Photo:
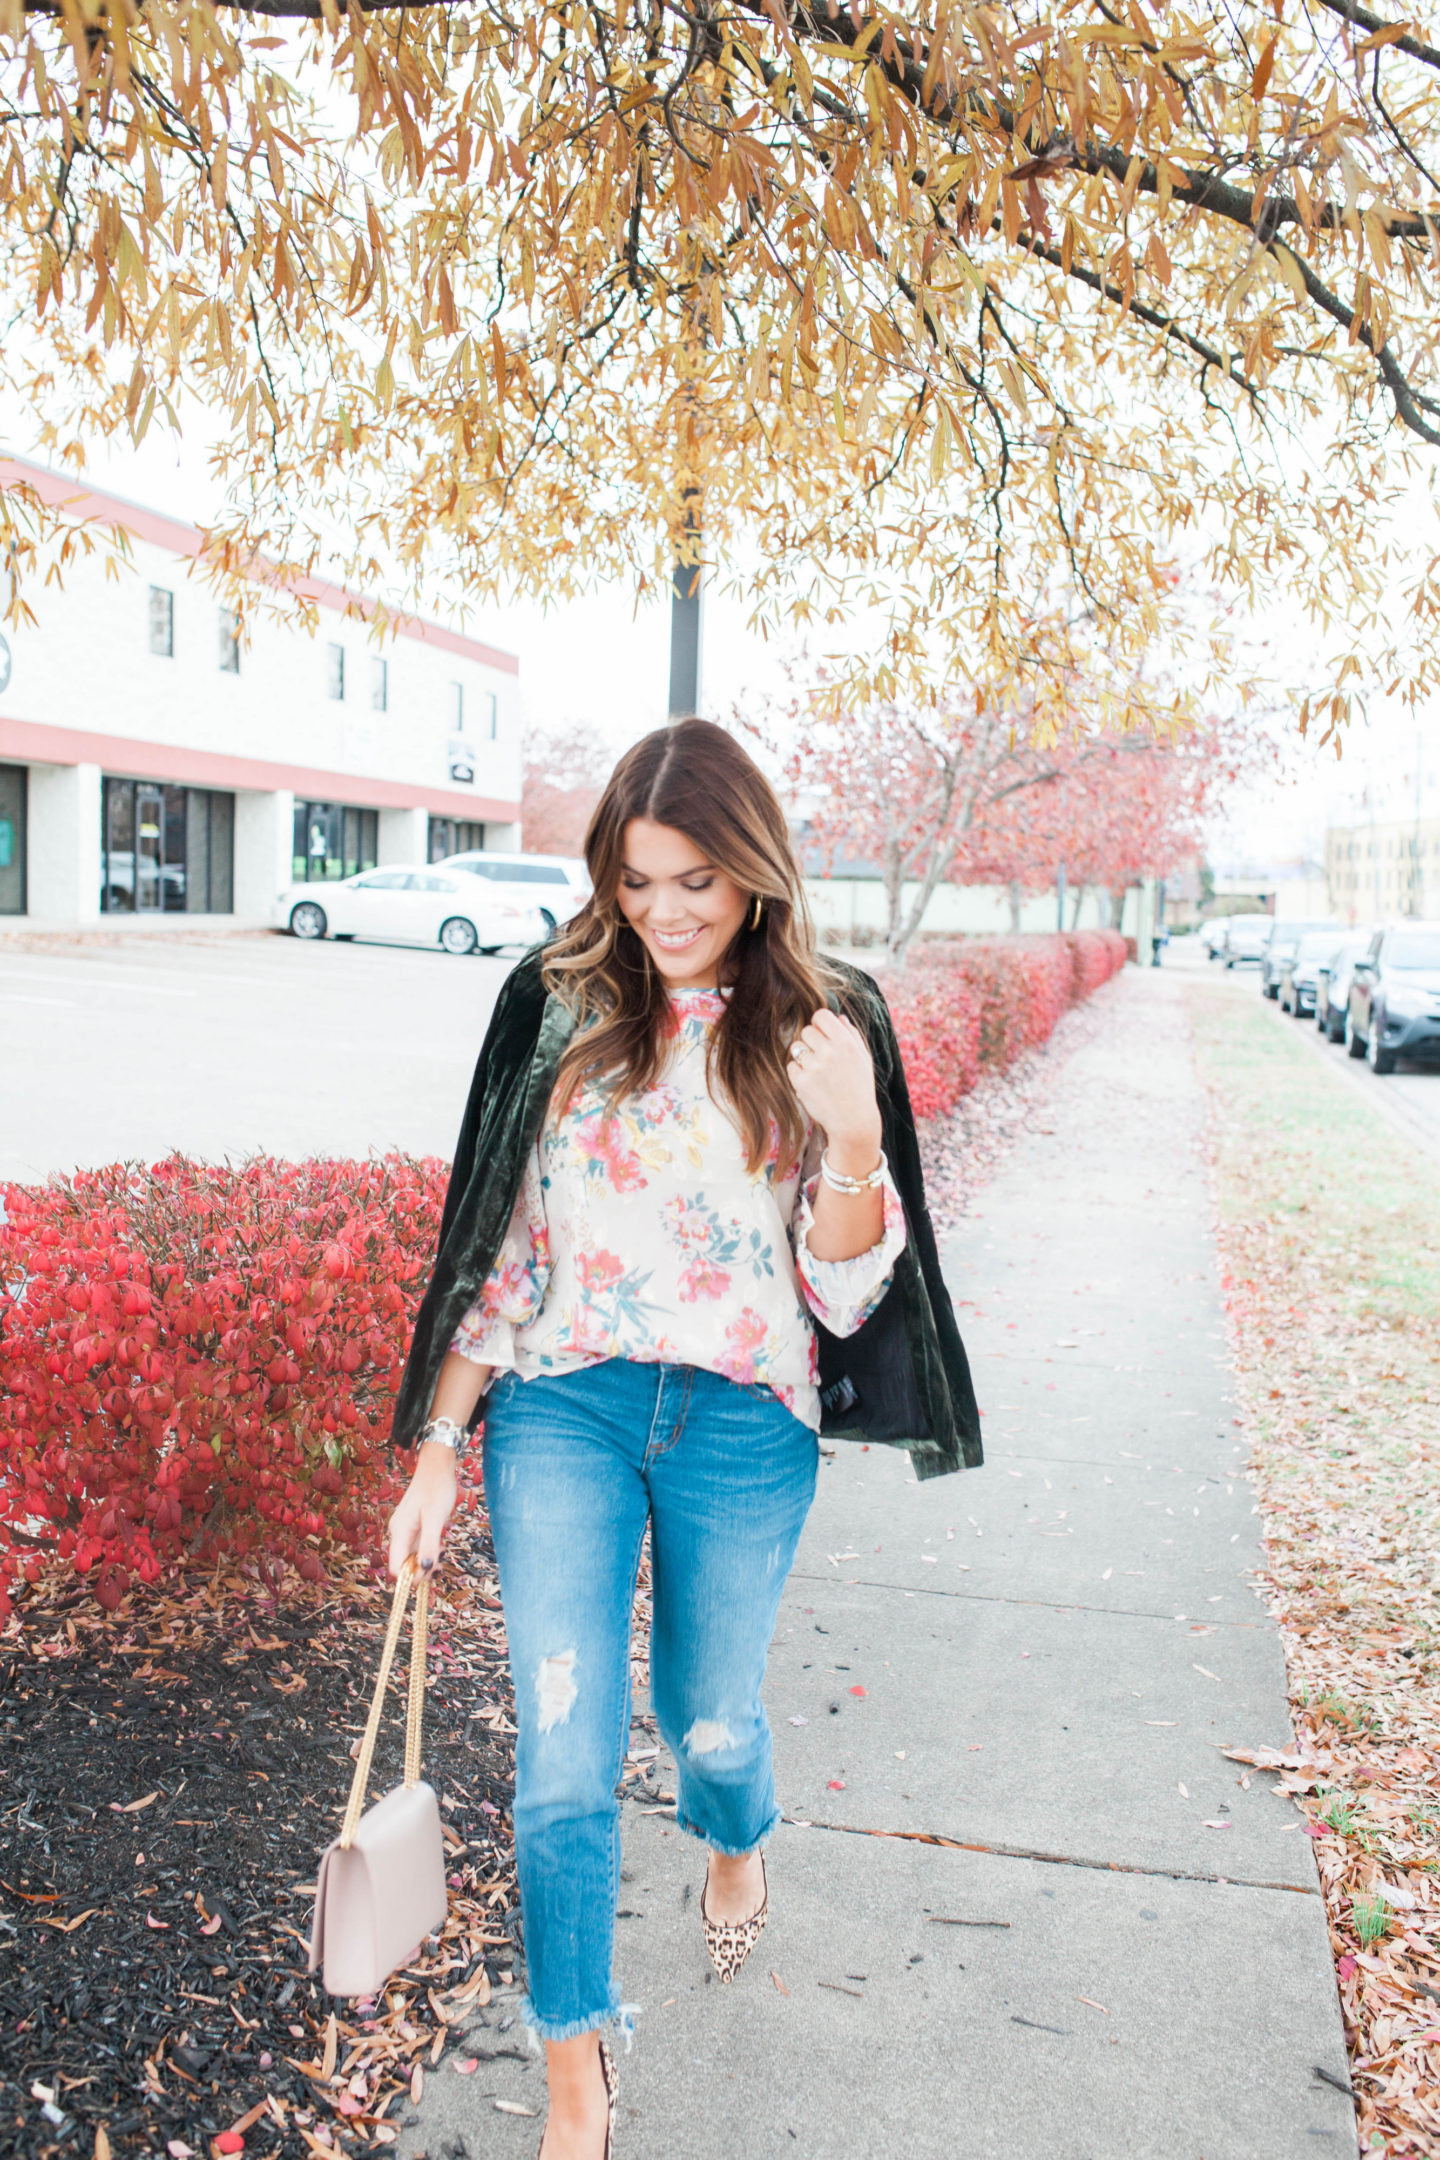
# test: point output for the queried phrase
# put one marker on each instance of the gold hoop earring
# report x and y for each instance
(756, 911)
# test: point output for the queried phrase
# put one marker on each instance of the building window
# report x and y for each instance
(379, 684)
(454, 836)
(166, 850)
(490, 713)
(335, 671)
(162, 622)
(334, 840)
(229, 642)
(456, 708)
(13, 780)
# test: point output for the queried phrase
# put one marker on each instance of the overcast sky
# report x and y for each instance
(601, 661)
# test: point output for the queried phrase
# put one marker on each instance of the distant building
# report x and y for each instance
(1293, 890)
(1376, 871)
(152, 764)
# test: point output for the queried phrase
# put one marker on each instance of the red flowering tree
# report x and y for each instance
(920, 794)
(564, 773)
(962, 795)
(1120, 808)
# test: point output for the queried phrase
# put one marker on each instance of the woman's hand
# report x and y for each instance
(833, 1077)
(418, 1523)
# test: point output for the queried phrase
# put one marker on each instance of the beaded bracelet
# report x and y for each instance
(838, 1181)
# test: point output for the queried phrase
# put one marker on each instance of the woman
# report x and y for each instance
(684, 1232)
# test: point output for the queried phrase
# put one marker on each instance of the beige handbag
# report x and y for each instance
(381, 1887)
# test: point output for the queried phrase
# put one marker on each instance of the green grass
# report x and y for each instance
(1372, 1917)
(1320, 1151)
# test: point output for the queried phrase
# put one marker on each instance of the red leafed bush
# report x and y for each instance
(961, 1007)
(195, 1360)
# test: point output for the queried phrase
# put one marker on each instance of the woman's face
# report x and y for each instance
(686, 912)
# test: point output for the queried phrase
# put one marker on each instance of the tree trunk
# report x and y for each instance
(893, 875)
(1014, 896)
(1080, 892)
(1117, 908)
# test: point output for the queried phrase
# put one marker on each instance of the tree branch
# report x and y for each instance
(1364, 20)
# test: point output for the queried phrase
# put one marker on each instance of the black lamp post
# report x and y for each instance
(685, 596)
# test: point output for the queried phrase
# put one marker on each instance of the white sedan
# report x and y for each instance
(408, 907)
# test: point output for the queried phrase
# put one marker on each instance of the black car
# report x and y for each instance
(1300, 977)
(1280, 949)
(1394, 1008)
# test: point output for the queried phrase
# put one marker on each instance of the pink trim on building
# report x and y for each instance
(26, 742)
(94, 506)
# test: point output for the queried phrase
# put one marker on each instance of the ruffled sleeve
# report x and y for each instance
(844, 1293)
(514, 1290)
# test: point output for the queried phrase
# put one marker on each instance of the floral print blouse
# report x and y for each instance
(643, 1235)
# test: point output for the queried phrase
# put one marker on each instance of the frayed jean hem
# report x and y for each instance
(729, 1852)
(619, 2018)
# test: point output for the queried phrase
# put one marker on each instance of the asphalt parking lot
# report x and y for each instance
(229, 1044)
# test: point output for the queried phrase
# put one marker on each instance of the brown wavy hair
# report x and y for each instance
(696, 778)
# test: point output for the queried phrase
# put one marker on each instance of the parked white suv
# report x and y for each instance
(558, 885)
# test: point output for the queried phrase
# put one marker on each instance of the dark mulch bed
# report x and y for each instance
(168, 1778)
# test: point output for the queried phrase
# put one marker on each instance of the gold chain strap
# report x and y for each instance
(415, 1703)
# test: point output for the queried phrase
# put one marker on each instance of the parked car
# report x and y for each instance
(1280, 949)
(1394, 1007)
(408, 907)
(1246, 937)
(1300, 980)
(558, 885)
(1212, 935)
(1332, 988)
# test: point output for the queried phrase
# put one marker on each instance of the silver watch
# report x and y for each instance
(446, 1431)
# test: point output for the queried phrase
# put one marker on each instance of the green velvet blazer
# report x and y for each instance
(902, 1379)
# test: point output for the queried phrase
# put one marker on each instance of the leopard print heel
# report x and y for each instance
(612, 2095)
(730, 1942)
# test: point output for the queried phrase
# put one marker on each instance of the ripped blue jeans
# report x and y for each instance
(575, 1466)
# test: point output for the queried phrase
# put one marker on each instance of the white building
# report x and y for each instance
(1384, 868)
(153, 764)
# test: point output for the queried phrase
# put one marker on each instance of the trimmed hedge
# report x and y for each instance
(198, 1359)
(964, 1006)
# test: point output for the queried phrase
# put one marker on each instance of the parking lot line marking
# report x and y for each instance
(90, 982)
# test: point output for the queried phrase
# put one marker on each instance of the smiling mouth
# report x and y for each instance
(675, 940)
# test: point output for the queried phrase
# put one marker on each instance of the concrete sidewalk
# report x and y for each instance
(1051, 1653)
